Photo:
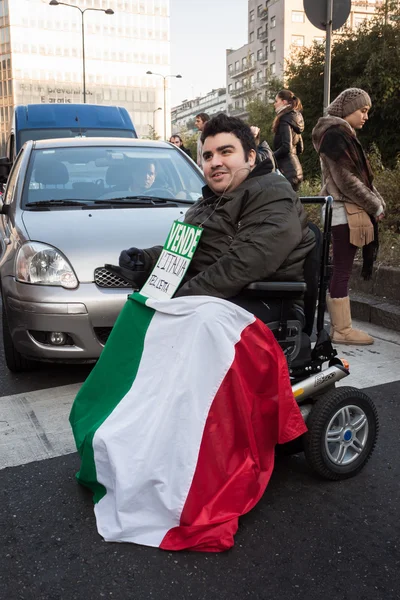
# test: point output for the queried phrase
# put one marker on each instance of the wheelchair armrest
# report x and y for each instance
(276, 289)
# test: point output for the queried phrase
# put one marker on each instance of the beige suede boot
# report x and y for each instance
(341, 329)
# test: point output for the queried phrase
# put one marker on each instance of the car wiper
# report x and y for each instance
(140, 199)
(63, 202)
(143, 200)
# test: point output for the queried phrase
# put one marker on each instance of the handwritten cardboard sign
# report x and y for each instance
(173, 261)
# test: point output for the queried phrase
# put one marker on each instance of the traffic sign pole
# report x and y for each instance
(328, 51)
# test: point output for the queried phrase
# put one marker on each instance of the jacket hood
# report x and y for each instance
(295, 120)
(323, 124)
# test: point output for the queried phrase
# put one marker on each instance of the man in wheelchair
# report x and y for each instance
(258, 251)
(254, 226)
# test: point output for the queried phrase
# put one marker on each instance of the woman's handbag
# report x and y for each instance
(360, 225)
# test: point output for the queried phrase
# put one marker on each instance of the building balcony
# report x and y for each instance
(241, 71)
(238, 112)
(243, 91)
(262, 14)
(263, 37)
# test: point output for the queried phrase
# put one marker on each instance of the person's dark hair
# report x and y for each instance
(176, 135)
(203, 116)
(224, 124)
(294, 103)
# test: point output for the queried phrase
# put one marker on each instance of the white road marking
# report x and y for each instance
(34, 425)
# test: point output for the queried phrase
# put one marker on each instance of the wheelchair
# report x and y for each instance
(343, 421)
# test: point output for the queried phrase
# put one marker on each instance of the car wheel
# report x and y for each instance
(342, 433)
(14, 360)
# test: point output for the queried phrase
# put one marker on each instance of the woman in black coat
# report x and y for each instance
(288, 143)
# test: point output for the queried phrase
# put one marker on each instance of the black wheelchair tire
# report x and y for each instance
(321, 414)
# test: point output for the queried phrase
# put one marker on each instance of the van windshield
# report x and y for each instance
(66, 132)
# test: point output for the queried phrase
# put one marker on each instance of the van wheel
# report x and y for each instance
(14, 360)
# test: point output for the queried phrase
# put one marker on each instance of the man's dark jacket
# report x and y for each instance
(256, 232)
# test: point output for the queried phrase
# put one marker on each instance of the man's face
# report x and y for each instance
(358, 118)
(176, 141)
(199, 123)
(149, 175)
(224, 163)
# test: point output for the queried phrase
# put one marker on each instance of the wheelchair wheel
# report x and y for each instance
(342, 432)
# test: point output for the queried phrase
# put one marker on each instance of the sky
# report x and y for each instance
(201, 31)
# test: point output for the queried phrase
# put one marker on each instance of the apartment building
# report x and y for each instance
(276, 28)
(41, 56)
(183, 115)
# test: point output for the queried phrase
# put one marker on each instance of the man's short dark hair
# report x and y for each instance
(203, 116)
(224, 124)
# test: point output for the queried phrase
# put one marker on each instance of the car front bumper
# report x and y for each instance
(86, 315)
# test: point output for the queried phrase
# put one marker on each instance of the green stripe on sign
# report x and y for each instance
(109, 381)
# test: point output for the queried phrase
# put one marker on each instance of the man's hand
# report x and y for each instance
(132, 259)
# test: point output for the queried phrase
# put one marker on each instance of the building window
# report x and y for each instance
(259, 32)
(272, 23)
(358, 20)
(273, 68)
(319, 40)
(297, 16)
(298, 40)
(259, 75)
(252, 60)
(259, 55)
(272, 45)
(237, 85)
(230, 68)
(251, 15)
(244, 63)
(237, 64)
(251, 37)
(230, 87)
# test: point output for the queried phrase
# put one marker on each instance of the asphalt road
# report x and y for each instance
(306, 538)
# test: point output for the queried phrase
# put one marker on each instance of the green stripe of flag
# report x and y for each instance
(109, 381)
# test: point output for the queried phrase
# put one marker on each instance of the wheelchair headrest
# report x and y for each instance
(53, 172)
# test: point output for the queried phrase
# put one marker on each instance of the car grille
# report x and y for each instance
(102, 333)
(105, 279)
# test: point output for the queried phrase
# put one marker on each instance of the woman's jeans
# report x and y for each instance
(343, 259)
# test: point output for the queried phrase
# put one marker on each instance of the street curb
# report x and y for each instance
(377, 300)
(375, 310)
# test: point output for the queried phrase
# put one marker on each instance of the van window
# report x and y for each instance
(51, 134)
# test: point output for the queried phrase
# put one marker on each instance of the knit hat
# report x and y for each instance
(348, 102)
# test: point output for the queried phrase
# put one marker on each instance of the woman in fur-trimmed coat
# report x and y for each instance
(357, 205)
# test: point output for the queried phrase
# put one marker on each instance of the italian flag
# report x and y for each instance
(176, 424)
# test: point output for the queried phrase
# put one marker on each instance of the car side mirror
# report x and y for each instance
(5, 168)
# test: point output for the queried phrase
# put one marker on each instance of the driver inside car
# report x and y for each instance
(143, 179)
(254, 225)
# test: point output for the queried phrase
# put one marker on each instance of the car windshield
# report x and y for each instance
(106, 173)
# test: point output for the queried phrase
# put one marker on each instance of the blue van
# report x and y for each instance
(48, 121)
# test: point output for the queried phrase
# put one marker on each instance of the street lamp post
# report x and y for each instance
(165, 96)
(108, 11)
(154, 117)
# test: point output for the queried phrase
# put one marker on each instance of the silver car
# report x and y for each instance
(69, 208)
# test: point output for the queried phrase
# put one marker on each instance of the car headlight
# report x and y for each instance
(44, 265)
